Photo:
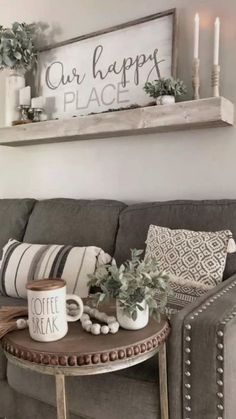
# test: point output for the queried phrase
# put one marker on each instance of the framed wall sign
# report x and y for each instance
(107, 69)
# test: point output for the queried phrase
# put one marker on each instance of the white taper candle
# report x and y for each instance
(196, 36)
(216, 41)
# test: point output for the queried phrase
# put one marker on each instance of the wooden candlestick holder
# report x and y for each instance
(215, 80)
(196, 78)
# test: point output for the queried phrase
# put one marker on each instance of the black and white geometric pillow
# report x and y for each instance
(191, 255)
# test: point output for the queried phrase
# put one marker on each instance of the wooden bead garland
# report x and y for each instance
(112, 325)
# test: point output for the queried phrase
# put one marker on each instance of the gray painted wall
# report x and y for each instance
(194, 164)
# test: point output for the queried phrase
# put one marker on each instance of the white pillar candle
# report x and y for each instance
(216, 41)
(25, 96)
(37, 102)
(196, 36)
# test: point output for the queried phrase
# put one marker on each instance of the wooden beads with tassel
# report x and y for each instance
(10, 326)
(111, 326)
(9, 321)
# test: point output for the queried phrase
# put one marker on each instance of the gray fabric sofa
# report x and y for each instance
(206, 330)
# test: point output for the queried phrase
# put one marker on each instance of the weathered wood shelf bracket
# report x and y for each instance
(203, 113)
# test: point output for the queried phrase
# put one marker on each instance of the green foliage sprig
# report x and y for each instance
(17, 47)
(169, 86)
(132, 283)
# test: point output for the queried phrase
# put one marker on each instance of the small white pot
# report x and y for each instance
(14, 82)
(127, 322)
(165, 100)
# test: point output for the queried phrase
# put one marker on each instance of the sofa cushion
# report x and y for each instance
(191, 215)
(14, 216)
(6, 301)
(102, 396)
(15, 405)
(75, 222)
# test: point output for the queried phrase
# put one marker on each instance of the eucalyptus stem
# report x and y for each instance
(17, 47)
(134, 282)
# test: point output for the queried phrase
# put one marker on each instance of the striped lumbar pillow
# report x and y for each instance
(24, 262)
(184, 292)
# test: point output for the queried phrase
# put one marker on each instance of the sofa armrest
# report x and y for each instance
(202, 357)
(3, 364)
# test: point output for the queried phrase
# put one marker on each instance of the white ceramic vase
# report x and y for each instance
(165, 100)
(14, 82)
(127, 322)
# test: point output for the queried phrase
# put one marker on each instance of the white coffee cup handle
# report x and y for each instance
(78, 300)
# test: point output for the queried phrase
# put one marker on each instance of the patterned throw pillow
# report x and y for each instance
(24, 262)
(183, 293)
(190, 255)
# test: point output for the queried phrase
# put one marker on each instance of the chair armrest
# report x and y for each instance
(202, 356)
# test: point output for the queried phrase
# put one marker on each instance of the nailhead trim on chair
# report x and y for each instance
(220, 353)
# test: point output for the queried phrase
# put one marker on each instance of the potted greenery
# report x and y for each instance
(134, 285)
(18, 53)
(165, 90)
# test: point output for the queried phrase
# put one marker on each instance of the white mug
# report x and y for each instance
(47, 309)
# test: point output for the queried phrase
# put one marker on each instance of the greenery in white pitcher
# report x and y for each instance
(17, 47)
(132, 283)
(165, 86)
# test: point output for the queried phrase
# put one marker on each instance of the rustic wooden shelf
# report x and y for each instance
(210, 112)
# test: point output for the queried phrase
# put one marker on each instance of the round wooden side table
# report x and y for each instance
(80, 353)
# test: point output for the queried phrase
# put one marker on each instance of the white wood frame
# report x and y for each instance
(86, 93)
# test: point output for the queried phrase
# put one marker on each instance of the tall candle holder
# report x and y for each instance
(215, 80)
(196, 78)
